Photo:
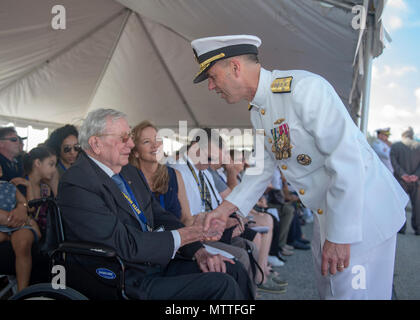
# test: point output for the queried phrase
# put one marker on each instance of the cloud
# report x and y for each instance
(397, 4)
(394, 22)
(388, 71)
(392, 14)
(417, 94)
(394, 102)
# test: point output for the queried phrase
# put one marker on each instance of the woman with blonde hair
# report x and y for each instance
(165, 182)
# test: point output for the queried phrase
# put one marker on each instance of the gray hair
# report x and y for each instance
(409, 133)
(95, 124)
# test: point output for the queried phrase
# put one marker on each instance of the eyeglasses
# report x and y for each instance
(123, 136)
(76, 148)
(12, 139)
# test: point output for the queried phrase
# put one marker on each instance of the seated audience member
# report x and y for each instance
(40, 181)
(19, 228)
(19, 157)
(66, 146)
(286, 210)
(295, 237)
(9, 150)
(165, 182)
(105, 200)
(262, 207)
(202, 196)
(259, 220)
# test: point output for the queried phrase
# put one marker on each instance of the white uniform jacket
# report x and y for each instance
(345, 184)
(384, 153)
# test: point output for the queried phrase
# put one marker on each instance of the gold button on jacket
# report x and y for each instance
(284, 167)
(320, 211)
(302, 192)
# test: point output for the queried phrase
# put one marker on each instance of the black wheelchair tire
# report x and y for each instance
(45, 291)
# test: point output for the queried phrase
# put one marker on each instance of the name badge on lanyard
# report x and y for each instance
(134, 206)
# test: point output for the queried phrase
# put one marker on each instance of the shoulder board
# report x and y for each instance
(282, 85)
(250, 107)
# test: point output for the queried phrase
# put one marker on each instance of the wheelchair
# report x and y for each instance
(101, 276)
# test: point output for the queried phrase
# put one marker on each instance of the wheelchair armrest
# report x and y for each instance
(87, 249)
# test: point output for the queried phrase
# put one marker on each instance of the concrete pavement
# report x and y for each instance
(298, 270)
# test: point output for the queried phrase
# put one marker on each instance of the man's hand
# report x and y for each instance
(406, 178)
(215, 221)
(214, 224)
(413, 178)
(211, 263)
(337, 256)
(212, 234)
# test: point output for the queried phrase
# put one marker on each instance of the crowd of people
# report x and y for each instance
(402, 158)
(74, 166)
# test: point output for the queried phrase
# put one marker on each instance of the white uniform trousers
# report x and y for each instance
(368, 277)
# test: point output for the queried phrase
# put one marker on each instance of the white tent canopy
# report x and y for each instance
(135, 55)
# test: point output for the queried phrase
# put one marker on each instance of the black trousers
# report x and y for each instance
(295, 231)
(274, 247)
(183, 280)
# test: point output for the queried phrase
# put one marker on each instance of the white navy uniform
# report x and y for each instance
(337, 175)
(384, 153)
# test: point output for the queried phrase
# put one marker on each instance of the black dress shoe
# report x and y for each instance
(417, 233)
(304, 241)
(300, 245)
(281, 257)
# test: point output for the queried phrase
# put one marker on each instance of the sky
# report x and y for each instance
(395, 91)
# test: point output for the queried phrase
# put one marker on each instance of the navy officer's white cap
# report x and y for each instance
(211, 49)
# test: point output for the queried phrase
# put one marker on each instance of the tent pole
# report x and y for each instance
(367, 75)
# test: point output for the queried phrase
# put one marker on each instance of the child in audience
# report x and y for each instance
(40, 181)
(18, 228)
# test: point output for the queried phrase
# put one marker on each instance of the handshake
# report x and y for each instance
(210, 226)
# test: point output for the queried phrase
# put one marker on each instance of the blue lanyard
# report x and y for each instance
(61, 165)
(133, 203)
(162, 202)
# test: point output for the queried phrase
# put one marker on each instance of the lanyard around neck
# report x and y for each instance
(201, 189)
(61, 165)
(134, 204)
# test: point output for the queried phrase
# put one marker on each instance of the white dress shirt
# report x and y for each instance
(193, 188)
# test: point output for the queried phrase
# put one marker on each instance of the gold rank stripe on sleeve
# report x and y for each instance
(282, 85)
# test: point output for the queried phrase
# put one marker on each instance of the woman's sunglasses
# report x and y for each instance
(76, 148)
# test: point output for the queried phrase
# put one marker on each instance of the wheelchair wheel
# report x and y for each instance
(44, 291)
